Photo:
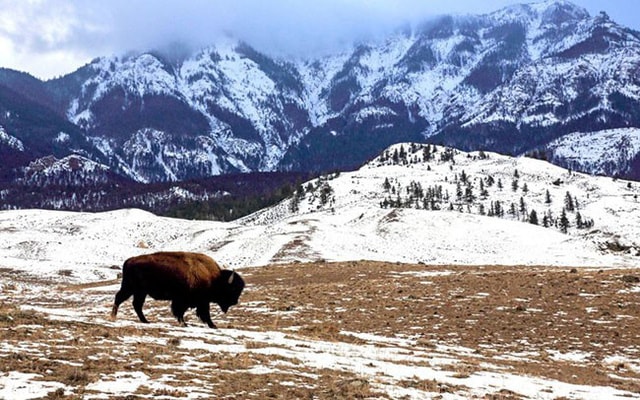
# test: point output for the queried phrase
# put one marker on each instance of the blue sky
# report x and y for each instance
(48, 38)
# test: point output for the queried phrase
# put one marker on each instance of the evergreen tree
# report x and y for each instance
(384, 156)
(463, 177)
(497, 209)
(468, 195)
(533, 217)
(564, 221)
(326, 192)
(298, 195)
(547, 197)
(490, 181)
(458, 192)
(386, 185)
(579, 223)
(294, 205)
(403, 154)
(512, 210)
(523, 207)
(568, 202)
(483, 191)
(426, 153)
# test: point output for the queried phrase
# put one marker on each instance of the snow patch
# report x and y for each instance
(10, 141)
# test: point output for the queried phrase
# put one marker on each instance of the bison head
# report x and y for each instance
(231, 286)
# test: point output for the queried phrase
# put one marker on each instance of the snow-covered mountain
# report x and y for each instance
(512, 81)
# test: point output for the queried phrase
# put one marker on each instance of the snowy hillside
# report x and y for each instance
(609, 152)
(459, 219)
(467, 208)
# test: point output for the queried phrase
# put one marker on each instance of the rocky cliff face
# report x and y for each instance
(512, 81)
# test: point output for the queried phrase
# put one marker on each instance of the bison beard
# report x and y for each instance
(189, 280)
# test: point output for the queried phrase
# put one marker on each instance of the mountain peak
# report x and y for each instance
(548, 11)
(543, 6)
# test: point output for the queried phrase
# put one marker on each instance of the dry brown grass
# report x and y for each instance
(495, 311)
(429, 385)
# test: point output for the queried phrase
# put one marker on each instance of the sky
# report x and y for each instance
(50, 38)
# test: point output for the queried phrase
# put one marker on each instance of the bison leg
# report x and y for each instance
(121, 296)
(138, 302)
(203, 312)
(178, 309)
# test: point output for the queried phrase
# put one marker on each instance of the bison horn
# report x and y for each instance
(231, 277)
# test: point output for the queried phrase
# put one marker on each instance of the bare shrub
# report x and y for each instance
(77, 378)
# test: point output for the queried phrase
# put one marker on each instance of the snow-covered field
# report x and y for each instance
(42, 251)
(351, 224)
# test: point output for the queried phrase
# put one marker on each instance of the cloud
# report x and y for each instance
(289, 25)
(48, 36)
(122, 25)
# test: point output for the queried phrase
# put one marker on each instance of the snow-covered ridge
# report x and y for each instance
(141, 75)
(10, 141)
(53, 166)
(414, 177)
(606, 152)
(344, 217)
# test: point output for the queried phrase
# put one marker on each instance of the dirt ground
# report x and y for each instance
(576, 326)
(493, 310)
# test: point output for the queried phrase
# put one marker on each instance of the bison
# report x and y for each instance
(189, 280)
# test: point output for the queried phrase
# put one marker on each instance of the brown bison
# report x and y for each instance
(189, 280)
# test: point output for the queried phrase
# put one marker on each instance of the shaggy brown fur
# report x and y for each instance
(189, 280)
